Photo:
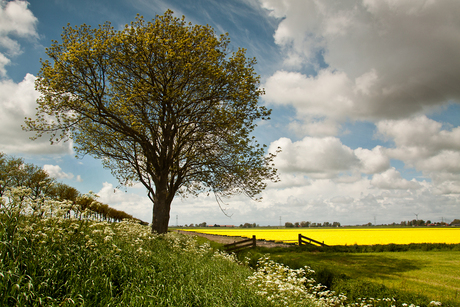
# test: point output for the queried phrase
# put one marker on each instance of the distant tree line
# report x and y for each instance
(249, 225)
(455, 222)
(415, 223)
(197, 225)
(310, 224)
(15, 173)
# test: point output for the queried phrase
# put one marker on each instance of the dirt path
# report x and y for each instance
(228, 240)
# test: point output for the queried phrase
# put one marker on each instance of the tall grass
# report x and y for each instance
(50, 260)
(47, 260)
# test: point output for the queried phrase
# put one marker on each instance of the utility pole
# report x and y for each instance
(280, 220)
(177, 220)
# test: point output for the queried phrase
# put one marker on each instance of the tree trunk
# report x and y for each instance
(161, 208)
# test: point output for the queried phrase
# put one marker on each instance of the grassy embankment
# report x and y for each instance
(84, 264)
(49, 260)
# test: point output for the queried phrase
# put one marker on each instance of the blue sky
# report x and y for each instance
(365, 98)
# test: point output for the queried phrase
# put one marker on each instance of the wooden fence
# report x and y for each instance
(307, 240)
(240, 245)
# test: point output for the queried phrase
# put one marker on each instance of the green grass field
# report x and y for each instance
(416, 276)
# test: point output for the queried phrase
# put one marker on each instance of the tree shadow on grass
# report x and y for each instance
(352, 265)
(366, 265)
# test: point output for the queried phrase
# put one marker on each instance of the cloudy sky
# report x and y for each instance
(365, 97)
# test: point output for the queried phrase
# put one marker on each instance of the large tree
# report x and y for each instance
(165, 103)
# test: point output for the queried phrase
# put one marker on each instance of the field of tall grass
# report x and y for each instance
(50, 259)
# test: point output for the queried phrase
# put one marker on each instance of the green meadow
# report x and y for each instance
(413, 274)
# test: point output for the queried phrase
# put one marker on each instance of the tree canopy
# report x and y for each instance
(165, 103)
(14, 172)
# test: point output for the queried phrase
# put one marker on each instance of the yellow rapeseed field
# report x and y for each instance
(346, 236)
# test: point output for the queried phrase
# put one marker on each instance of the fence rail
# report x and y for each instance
(307, 240)
(240, 245)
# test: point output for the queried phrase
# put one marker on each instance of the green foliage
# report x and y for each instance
(164, 103)
(15, 173)
(288, 287)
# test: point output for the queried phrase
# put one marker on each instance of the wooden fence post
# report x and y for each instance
(237, 246)
(310, 240)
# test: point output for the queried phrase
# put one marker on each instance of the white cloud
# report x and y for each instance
(350, 203)
(327, 158)
(190, 210)
(386, 59)
(446, 184)
(391, 179)
(365, 82)
(316, 189)
(422, 143)
(291, 180)
(418, 137)
(17, 101)
(314, 127)
(327, 94)
(358, 202)
(3, 62)
(291, 35)
(315, 157)
(55, 171)
(386, 62)
(341, 200)
(372, 161)
(445, 161)
(16, 20)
